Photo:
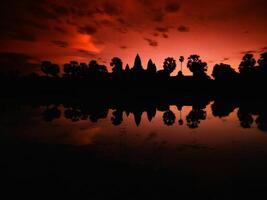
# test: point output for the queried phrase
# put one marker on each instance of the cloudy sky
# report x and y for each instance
(64, 30)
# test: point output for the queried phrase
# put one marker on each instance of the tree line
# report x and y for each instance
(74, 70)
(193, 119)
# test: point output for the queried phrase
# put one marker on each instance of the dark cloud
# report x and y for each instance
(164, 35)
(40, 10)
(121, 21)
(257, 51)
(88, 29)
(146, 2)
(158, 10)
(85, 52)
(157, 15)
(172, 7)
(123, 47)
(21, 35)
(151, 42)
(30, 23)
(225, 59)
(123, 30)
(71, 22)
(183, 28)
(59, 43)
(248, 52)
(32, 20)
(103, 22)
(59, 29)
(162, 29)
(111, 8)
(20, 29)
(60, 10)
(18, 61)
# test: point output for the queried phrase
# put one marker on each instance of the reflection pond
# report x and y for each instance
(213, 140)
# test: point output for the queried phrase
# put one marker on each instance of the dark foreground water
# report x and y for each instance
(213, 151)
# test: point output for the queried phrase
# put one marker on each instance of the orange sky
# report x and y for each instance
(64, 30)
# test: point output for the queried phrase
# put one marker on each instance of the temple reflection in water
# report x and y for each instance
(71, 118)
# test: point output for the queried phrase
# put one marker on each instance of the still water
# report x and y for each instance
(217, 141)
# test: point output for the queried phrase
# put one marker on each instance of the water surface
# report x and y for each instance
(211, 143)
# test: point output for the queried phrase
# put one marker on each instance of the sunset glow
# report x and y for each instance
(60, 31)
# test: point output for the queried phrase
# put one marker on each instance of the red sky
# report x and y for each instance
(64, 30)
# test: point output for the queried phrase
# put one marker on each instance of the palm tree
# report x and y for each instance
(169, 65)
(180, 121)
(181, 59)
(169, 118)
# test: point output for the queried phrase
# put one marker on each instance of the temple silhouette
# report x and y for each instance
(250, 112)
(93, 79)
(89, 91)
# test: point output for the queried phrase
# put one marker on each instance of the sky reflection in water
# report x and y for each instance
(215, 148)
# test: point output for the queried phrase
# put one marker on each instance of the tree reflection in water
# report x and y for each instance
(246, 112)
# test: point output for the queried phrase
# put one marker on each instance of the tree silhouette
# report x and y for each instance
(54, 70)
(51, 114)
(72, 69)
(116, 64)
(151, 67)
(92, 66)
(181, 59)
(247, 64)
(96, 69)
(223, 72)
(222, 108)
(194, 117)
(98, 113)
(83, 70)
(263, 62)
(49, 68)
(169, 65)
(245, 118)
(102, 69)
(262, 121)
(68, 71)
(169, 118)
(196, 66)
(117, 117)
(45, 66)
(75, 68)
(180, 121)
(73, 114)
